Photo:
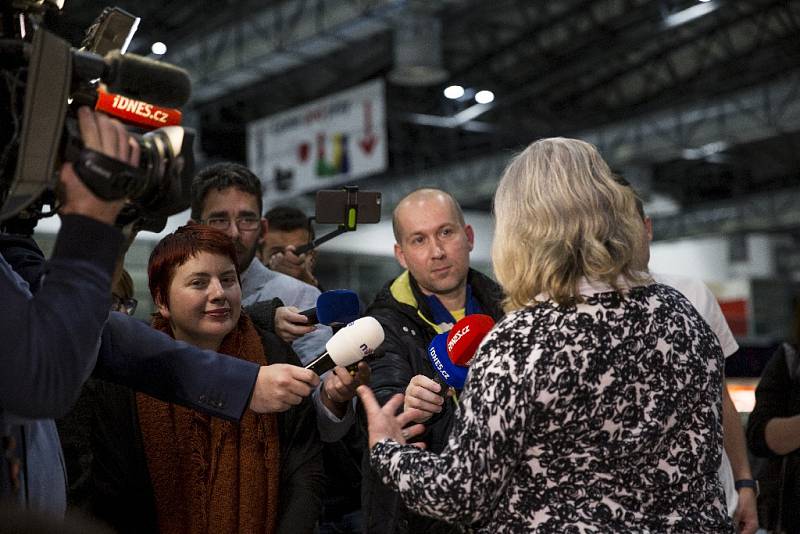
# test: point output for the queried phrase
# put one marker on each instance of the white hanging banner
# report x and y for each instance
(328, 142)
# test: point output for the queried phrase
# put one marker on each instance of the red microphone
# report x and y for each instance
(136, 112)
(465, 336)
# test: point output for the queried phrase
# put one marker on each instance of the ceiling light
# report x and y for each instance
(484, 97)
(454, 92)
(691, 13)
(706, 151)
(159, 48)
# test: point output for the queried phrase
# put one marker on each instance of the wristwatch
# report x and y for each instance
(747, 483)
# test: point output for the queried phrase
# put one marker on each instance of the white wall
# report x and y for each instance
(704, 258)
(708, 258)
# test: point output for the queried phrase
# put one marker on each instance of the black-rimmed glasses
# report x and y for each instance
(242, 223)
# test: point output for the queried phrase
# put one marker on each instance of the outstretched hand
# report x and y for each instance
(384, 422)
(280, 386)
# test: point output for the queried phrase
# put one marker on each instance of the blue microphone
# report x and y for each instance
(334, 306)
(447, 372)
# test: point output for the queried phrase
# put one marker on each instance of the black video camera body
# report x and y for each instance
(44, 80)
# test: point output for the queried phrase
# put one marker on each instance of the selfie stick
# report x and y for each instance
(349, 225)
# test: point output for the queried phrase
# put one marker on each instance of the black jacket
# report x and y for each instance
(122, 494)
(402, 310)
(777, 395)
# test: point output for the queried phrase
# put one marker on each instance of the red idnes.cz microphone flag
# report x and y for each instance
(136, 112)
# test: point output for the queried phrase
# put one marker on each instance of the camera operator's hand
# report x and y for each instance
(107, 136)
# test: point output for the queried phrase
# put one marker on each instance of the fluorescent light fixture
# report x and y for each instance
(454, 92)
(705, 151)
(484, 97)
(159, 48)
(691, 13)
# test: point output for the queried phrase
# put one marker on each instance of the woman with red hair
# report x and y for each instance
(161, 467)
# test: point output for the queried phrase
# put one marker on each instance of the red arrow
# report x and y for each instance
(367, 143)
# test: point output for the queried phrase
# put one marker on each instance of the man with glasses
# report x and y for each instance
(227, 196)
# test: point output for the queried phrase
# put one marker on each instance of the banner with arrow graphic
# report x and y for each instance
(328, 142)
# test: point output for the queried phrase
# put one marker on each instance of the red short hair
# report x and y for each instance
(177, 248)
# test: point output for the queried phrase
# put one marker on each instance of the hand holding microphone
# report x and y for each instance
(280, 386)
(425, 396)
(450, 354)
(349, 345)
(335, 307)
(290, 324)
(339, 386)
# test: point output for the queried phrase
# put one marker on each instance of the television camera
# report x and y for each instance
(45, 80)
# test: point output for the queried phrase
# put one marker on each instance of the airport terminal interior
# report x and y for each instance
(695, 103)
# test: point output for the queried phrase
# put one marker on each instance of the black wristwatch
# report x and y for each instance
(747, 483)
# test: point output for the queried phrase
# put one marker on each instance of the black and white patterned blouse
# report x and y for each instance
(600, 417)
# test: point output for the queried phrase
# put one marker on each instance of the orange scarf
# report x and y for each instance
(211, 475)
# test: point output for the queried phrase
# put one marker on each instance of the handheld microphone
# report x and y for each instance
(334, 306)
(349, 345)
(136, 112)
(465, 337)
(447, 373)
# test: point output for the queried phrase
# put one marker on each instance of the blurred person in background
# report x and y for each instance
(287, 229)
(773, 433)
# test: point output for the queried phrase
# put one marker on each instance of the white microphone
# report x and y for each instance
(349, 345)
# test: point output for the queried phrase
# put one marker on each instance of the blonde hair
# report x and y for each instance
(561, 215)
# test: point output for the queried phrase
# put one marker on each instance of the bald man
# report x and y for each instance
(436, 289)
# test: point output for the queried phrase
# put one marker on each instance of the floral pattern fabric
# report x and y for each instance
(604, 416)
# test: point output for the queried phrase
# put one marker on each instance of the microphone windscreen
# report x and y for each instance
(141, 78)
(338, 306)
(465, 337)
(452, 375)
(355, 341)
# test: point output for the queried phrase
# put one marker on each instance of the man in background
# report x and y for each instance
(228, 196)
(288, 228)
(437, 288)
